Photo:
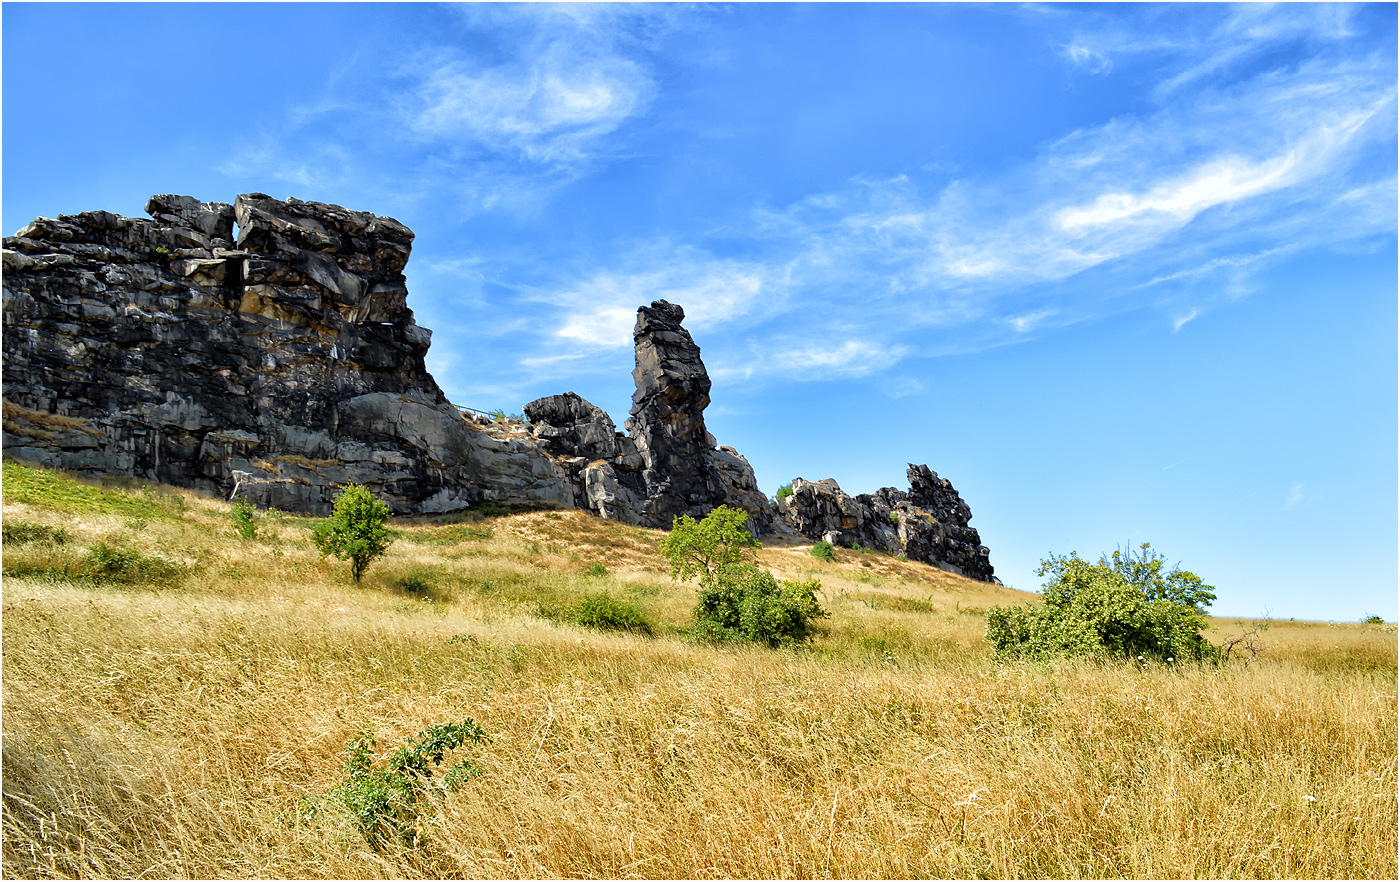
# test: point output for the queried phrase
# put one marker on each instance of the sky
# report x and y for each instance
(1122, 273)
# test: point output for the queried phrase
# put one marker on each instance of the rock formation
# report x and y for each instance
(928, 523)
(283, 364)
(669, 464)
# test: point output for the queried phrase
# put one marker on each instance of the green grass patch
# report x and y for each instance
(33, 485)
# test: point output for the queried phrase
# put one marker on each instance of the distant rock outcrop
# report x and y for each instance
(669, 464)
(928, 523)
(283, 364)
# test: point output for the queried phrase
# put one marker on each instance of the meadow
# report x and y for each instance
(178, 702)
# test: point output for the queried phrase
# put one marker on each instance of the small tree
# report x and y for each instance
(355, 530)
(738, 601)
(704, 548)
(1122, 606)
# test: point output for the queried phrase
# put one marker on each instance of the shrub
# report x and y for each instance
(1125, 606)
(824, 551)
(738, 601)
(391, 800)
(606, 613)
(415, 583)
(243, 515)
(746, 603)
(1373, 620)
(597, 570)
(21, 533)
(355, 530)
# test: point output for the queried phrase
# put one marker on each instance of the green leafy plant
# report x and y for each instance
(415, 583)
(597, 570)
(703, 548)
(162, 251)
(244, 516)
(1373, 620)
(784, 492)
(1125, 606)
(822, 550)
(392, 799)
(738, 601)
(747, 603)
(607, 613)
(355, 530)
(22, 532)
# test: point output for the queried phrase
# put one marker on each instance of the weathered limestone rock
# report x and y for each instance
(928, 523)
(284, 364)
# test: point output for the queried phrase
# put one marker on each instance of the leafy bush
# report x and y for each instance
(824, 551)
(746, 603)
(355, 530)
(1125, 606)
(415, 583)
(1373, 620)
(597, 570)
(101, 565)
(607, 613)
(21, 533)
(243, 515)
(738, 601)
(391, 800)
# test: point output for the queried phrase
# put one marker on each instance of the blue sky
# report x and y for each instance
(1121, 273)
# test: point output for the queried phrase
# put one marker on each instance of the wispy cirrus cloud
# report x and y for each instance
(1226, 180)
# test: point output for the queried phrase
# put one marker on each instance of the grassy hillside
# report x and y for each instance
(178, 701)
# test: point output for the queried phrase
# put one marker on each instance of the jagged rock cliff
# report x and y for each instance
(928, 523)
(284, 364)
(669, 464)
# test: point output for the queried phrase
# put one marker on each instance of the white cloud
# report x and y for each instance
(1178, 324)
(1295, 496)
(549, 109)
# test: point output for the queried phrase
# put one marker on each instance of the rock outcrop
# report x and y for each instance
(668, 464)
(266, 348)
(928, 523)
(282, 364)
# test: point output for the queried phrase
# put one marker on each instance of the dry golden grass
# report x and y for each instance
(175, 733)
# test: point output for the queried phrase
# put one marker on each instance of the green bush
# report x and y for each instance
(746, 603)
(597, 570)
(1125, 606)
(103, 564)
(738, 601)
(355, 530)
(824, 551)
(607, 613)
(21, 533)
(1373, 620)
(244, 516)
(391, 800)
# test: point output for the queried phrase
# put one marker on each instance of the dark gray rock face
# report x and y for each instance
(283, 364)
(928, 523)
(669, 464)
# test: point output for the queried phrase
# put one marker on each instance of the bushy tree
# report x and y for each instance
(1127, 606)
(705, 547)
(355, 530)
(738, 601)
